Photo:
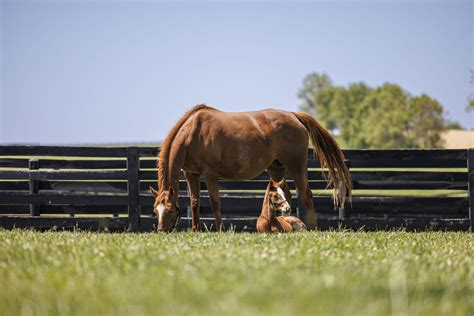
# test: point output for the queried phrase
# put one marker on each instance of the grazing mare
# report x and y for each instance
(239, 146)
(274, 201)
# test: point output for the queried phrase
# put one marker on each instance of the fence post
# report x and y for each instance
(345, 213)
(33, 164)
(470, 169)
(133, 189)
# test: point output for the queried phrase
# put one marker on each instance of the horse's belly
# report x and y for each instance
(239, 177)
(243, 168)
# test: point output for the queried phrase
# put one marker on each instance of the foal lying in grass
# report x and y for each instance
(275, 201)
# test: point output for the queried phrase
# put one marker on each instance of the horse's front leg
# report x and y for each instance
(194, 188)
(213, 189)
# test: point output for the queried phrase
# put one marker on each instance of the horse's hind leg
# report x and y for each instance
(300, 176)
(213, 189)
(277, 171)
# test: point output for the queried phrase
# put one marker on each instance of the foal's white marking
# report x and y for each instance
(282, 195)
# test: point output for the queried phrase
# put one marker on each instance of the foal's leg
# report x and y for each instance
(194, 188)
(300, 177)
(213, 189)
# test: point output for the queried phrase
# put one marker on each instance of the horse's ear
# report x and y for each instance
(171, 190)
(153, 191)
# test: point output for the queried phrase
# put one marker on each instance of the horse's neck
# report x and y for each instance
(173, 166)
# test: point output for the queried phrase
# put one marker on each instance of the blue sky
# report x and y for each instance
(115, 72)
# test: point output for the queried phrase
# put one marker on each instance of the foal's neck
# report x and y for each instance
(267, 211)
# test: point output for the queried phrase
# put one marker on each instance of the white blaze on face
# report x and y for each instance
(282, 195)
(160, 210)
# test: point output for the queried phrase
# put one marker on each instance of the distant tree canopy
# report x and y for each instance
(381, 117)
(470, 104)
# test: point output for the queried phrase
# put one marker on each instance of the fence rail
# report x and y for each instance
(105, 188)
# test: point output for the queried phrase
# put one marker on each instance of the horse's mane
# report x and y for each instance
(163, 156)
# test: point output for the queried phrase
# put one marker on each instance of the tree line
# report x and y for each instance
(382, 117)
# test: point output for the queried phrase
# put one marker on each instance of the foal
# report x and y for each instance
(275, 201)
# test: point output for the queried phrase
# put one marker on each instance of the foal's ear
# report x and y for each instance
(153, 191)
(171, 190)
(271, 184)
(281, 183)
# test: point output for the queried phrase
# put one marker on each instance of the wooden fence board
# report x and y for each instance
(406, 175)
(402, 185)
(64, 151)
(148, 151)
(114, 186)
(14, 185)
(63, 175)
(82, 164)
(82, 199)
(402, 175)
(13, 163)
(65, 209)
(148, 164)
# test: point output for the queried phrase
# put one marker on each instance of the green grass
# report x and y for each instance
(382, 273)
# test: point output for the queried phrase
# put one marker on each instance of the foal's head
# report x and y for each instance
(277, 199)
(166, 209)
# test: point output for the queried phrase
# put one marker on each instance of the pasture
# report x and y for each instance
(334, 272)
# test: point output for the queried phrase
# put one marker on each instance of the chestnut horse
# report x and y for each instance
(274, 201)
(239, 146)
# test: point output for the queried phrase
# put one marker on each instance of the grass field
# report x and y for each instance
(382, 273)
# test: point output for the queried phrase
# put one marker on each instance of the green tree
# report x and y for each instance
(384, 119)
(312, 84)
(470, 104)
(365, 117)
(351, 114)
(426, 122)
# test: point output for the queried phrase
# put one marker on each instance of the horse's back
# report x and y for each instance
(243, 122)
(240, 145)
(269, 127)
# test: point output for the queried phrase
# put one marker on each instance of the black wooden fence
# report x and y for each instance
(105, 188)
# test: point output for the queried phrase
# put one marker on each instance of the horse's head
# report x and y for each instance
(277, 198)
(166, 209)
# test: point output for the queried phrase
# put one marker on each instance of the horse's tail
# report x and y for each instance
(330, 156)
